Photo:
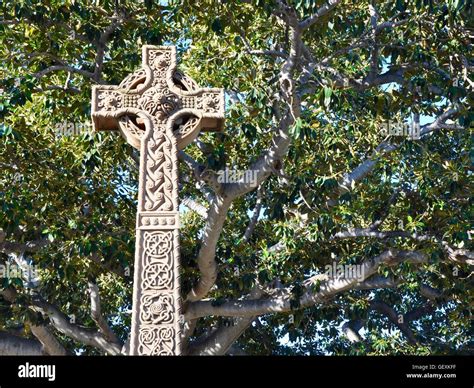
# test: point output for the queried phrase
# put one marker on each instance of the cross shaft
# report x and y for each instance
(159, 111)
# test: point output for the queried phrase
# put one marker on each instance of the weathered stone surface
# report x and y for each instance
(159, 111)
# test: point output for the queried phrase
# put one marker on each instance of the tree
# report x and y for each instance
(312, 89)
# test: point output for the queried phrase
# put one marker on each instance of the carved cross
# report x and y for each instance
(159, 111)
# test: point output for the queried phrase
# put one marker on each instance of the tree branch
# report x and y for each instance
(456, 255)
(78, 333)
(272, 53)
(206, 257)
(384, 148)
(12, 345)
(221, 340)
(383, 308)
(281, 302)
(68, 68)
(8, 247)
(117, 19)
(96, 313)
(50, 343)
(264, 166)
(201, 173)
(351, 330)
(195, 206)
(322, 11)
(256, 213)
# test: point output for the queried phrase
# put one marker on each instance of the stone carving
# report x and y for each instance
(157, 308)
(157, 341)
(209, 102)
(158, 244)
(157, 276)
(152, 220)
(159, 111)
(159, 102)
(132, 81)
(161, 178)
(110, 101)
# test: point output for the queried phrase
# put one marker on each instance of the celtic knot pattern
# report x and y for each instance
(157, 309)
(187, 127)
(158, 244)
(131, 132)
(132, 81)
(160, 103)
(156, 341)
(157, 260)
(185, 82)
(157, 276)
(160, 180)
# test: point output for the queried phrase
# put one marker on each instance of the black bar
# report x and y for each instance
(380, 372)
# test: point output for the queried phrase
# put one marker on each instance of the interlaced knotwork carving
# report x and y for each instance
(157, 308)
(132, 81)
(159, 179)
(160, 103)
(186, 128)
(157, 341)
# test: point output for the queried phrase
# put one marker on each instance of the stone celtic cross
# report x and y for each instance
(159, 111)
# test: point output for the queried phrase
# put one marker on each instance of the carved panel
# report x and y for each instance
(154, 220)
(109, 100)
(158, 244)
(157, 341)
(157, 308)
(159, 102)
(133, 81)
(160, 177)
(209, 103)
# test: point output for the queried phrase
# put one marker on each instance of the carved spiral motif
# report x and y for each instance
(157, 309)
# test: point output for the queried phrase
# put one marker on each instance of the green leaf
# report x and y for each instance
(327, 96)
(295, 129)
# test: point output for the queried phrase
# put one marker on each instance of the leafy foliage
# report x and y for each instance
(79, 192)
